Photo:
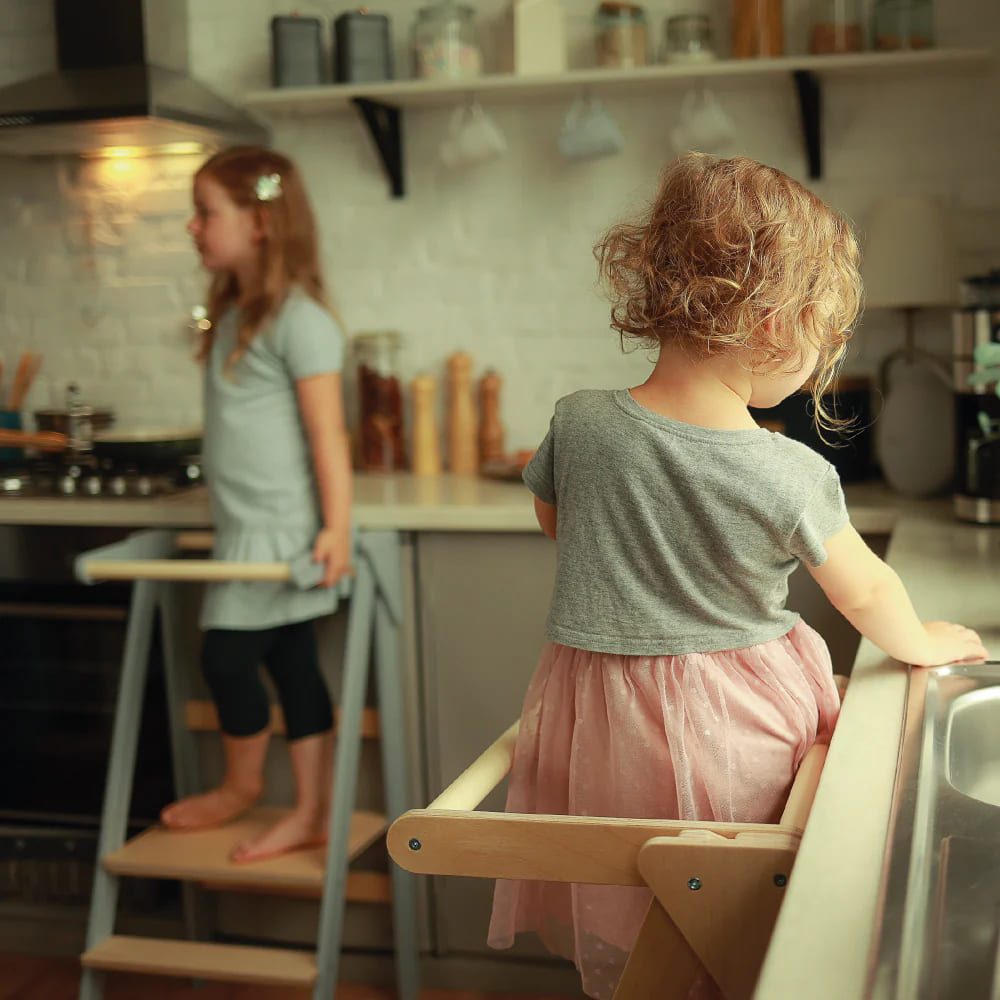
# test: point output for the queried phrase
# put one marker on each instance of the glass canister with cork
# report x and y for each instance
(380, 397)
(621, 35)
(445, 42)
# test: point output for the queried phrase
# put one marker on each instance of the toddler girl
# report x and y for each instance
(279, 476)
(676, 684)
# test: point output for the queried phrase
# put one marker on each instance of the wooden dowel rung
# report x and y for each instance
(481, 776)
(202, 716)
(800, 798)
(185, 570)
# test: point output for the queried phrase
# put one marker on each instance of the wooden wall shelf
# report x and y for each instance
(381, 103)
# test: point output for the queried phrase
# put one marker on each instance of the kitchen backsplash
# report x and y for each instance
(97, 272)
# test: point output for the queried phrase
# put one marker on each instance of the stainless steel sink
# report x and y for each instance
(937, 932)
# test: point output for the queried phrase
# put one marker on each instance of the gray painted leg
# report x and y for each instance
(121, 769)
(187, 781)
(394, 773)
(353, 690)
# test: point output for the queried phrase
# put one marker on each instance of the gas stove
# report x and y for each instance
(51, 479)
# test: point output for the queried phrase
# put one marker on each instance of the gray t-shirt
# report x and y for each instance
(258, 464)
(674, 538)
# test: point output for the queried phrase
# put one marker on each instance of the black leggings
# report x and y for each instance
(230, 661)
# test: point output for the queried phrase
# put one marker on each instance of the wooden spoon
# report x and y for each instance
(42, 440)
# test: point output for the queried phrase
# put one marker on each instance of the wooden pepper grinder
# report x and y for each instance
(426, 444)
(461, 416)
(490, 428)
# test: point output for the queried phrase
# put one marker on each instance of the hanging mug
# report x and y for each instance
(589, 131)
(473, 137)
(703, 124)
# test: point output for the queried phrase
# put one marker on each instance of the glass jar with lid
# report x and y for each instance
(380, 399)
(687, 38)
(446, 42)
(621, 35)
(836, 27)
(903, 24)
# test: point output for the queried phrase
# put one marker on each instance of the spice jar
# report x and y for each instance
(446, 42)
(758, 28)
(903, 24)
(621, 35)
(687, 38)
(381, 402)
(836, 27)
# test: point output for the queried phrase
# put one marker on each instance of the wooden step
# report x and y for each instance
(201, 716)
(203, 855)
(201, 960)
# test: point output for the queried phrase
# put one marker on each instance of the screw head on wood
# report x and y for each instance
(781, 881)
(415, 844)
(694, 883)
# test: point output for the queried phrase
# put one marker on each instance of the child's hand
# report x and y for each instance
(948, 643)
(334, 549)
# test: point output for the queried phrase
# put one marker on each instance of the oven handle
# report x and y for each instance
(61, 612)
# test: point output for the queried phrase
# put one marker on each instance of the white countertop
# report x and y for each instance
(389, 501)
(821, 945)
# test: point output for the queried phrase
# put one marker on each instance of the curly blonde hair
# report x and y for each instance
(727, 245)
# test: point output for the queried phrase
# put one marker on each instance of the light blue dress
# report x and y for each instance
(258, 466)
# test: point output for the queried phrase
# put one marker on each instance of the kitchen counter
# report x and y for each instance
(823, 937)
(406, 503)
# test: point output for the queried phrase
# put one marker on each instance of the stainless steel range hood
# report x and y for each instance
(121, 81)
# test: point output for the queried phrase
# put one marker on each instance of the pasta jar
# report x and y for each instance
(446, 43)
(381, 402)
(621, 35)
(758, 28)
(836, 27)
(903, 24)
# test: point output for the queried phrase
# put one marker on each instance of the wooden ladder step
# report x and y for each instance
(201, 716)
(202, 960)
(203, 856)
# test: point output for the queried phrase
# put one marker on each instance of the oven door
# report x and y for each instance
(61, 645)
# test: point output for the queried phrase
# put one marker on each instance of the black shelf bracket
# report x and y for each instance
(810, 109)
(385, 124)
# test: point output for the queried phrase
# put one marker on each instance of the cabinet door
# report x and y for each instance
(482, 605)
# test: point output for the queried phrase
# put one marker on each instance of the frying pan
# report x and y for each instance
(145, 447)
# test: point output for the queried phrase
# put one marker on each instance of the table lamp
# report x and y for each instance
(910, 263)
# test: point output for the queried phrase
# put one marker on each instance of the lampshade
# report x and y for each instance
(909, 254)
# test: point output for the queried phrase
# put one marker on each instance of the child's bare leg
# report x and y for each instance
(241, 787)
(306, 824)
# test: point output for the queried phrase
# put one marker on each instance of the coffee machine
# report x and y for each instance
(977, 406)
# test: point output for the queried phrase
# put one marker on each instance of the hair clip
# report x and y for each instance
(268, 187)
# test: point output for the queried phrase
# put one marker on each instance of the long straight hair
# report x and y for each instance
(289, 254)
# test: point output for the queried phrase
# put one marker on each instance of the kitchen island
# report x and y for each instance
(480, 574)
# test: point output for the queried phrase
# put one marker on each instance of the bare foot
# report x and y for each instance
(209, 809)
(293, 832)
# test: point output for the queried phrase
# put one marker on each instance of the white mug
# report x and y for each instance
(589, 131)
(472, 138)
(702, 124)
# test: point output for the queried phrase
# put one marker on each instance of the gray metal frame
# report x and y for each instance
(375, 609)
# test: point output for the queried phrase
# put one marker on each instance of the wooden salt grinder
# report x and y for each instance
(461, 416)
(426, 444)
(490, 428)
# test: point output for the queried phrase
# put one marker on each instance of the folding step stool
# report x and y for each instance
(716, 887)
(200, 858)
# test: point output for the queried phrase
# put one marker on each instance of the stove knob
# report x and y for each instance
(144, 486)
(93, 485)
(67, 485)
(118, 486)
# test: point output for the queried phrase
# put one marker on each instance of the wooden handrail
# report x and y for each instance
(481, 776)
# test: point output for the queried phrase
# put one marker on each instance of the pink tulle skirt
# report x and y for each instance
(700, 736)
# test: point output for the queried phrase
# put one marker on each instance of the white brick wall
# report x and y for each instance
(96, 270)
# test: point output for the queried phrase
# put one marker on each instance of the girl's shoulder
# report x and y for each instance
(306, 335)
